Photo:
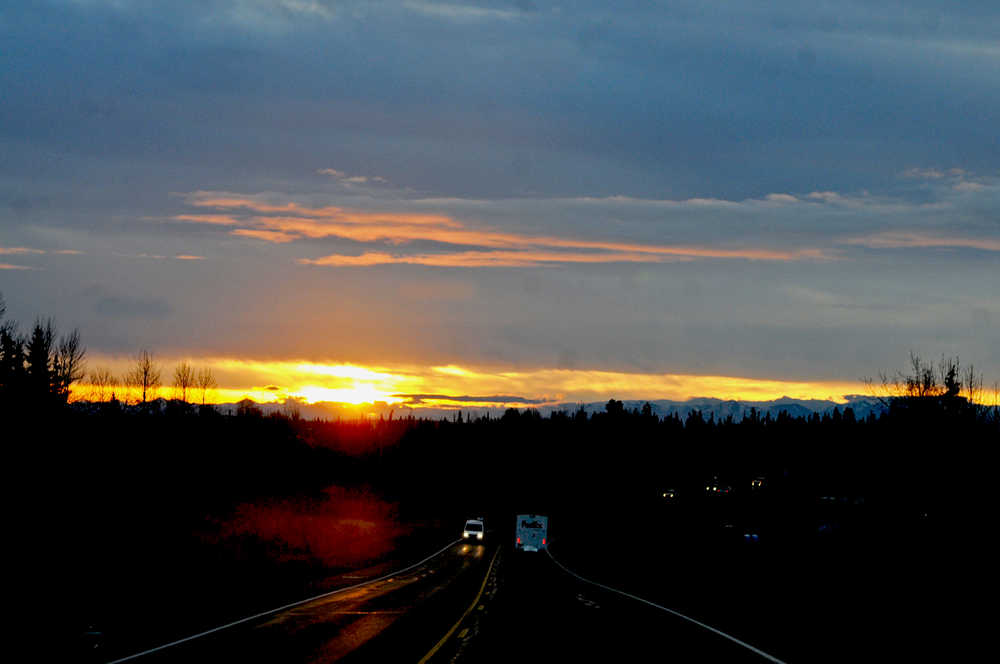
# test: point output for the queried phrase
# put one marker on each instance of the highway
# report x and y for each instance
(532, 610)
(389, 619)
(471, 603)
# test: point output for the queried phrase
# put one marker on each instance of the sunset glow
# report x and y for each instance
(462, 387)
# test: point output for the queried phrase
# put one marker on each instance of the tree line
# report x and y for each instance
(143, 379)
(39, 367)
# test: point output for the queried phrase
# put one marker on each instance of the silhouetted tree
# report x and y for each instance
(205, 382)
(144, 376)
(67, 364)
(39, 351)
(184, 379)
(12, 371)
(102, 384)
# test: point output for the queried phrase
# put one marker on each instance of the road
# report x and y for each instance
(531, 610)
(472, 603)
(393, 619)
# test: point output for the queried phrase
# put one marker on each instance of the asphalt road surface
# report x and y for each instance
(531, 610)
(473, 603)
(395, 619)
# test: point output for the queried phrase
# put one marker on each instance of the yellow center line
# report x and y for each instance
(475, 602)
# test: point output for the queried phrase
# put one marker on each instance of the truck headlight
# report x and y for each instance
(479, 536)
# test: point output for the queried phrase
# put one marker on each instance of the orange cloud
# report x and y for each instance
(278, 237)
(9, 266)
(290, 221)
(19, 251)
(484, 259)
(329, 212)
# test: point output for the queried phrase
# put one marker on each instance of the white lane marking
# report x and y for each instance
(746, 645)
(280, 608)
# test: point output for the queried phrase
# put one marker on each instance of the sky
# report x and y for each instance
(515, 201)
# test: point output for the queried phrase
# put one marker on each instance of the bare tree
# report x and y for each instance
(184, 379)
(972, 386)
(102, 384)
(144, 376)
(948, 380)
(996, 402)
(205, 381)
(68, 366)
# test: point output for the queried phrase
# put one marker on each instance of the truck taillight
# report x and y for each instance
(543, 541)
(518, 540)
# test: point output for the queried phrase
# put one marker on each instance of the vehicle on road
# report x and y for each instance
(717, 488)
(531, 532)
(474, 529)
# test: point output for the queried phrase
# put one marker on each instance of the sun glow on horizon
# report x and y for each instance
(457, 387)
(359, 394)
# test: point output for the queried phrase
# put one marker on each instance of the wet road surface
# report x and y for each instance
(531, 610)
(473, 603)
(385, 620)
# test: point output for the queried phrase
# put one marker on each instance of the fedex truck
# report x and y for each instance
(531, 532)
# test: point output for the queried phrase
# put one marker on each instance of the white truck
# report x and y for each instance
(532, 532)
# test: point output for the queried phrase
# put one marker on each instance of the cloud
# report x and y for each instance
(512, 249)
(455, 12)
(269, 380)
(188, 257)
(414, 399)
(213, 219)
(903, 240)
(781, 198)
(932, 173)
(487, 259)
(19, 251)
(352, 179)
(277, 237)
(9, 266)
